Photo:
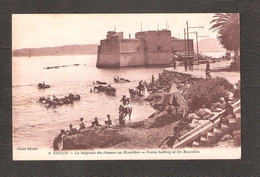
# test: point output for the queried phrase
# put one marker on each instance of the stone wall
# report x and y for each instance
(108, 60)
(109, 46)
(132, 52)
(157, 47)
(108, 53)
(132, 59)
(148, 48)
(158, 58)
(178, 45)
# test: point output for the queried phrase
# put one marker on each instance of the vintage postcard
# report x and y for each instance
(126, 86)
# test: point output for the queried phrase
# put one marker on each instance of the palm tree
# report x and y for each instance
(228, 27)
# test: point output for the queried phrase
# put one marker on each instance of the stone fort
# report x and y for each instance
(148, 48)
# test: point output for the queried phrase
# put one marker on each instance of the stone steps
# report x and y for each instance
(204, 140)
(210, 131)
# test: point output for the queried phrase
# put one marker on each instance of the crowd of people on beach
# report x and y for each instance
(82, 125)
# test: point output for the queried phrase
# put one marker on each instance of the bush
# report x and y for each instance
(206, 92)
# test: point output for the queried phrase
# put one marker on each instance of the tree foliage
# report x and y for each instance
(207, 92)
(228, 27)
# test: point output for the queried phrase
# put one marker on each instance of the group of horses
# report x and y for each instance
(43, 86)
(120, 80)
(59, 101)
(104, 87)
(139, 91)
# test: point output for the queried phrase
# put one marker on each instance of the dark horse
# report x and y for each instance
(133, 93)
(107, 89)
(49, 104)
(43, 86)
(121, 80)
(74, 97)
(59, 101)
(141, 89)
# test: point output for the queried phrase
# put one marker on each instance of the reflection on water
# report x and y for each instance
(36, 126)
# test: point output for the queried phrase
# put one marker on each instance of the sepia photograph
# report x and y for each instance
(126, 86)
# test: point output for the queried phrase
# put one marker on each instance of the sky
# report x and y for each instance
(50, 30)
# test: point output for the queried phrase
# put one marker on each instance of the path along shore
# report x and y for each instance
(148, 133)
(218, 69)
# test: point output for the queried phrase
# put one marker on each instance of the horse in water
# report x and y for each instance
(141, 88)
(43, 86)
(108, 89)
(121, 80)
(124, 110)
(133, 93)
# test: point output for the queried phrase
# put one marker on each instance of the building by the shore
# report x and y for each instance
(148, 48)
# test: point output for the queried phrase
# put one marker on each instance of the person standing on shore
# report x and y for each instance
(174, 64)
(191, 65)
(186, 65)
(208, 70)
(58, 141)
(152, 79)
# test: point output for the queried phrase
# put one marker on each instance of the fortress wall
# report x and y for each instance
(132, 59)
(148, 48)
(131, 52)
(131, 45)
(158, 58)
(158, 41)
(108, 60)
(108, 53)
(158, 48)
(110, 33)
(109, 46)
(140, 35)
(178, 45)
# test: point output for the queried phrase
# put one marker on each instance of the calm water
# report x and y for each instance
(36, 126)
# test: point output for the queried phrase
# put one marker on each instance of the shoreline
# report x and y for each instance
(147, 133)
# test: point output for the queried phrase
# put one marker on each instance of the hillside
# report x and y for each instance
(88, 49)
(209, 45)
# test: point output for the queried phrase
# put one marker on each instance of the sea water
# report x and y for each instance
(35, 125)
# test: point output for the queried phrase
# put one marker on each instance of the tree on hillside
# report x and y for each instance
(228, 27)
